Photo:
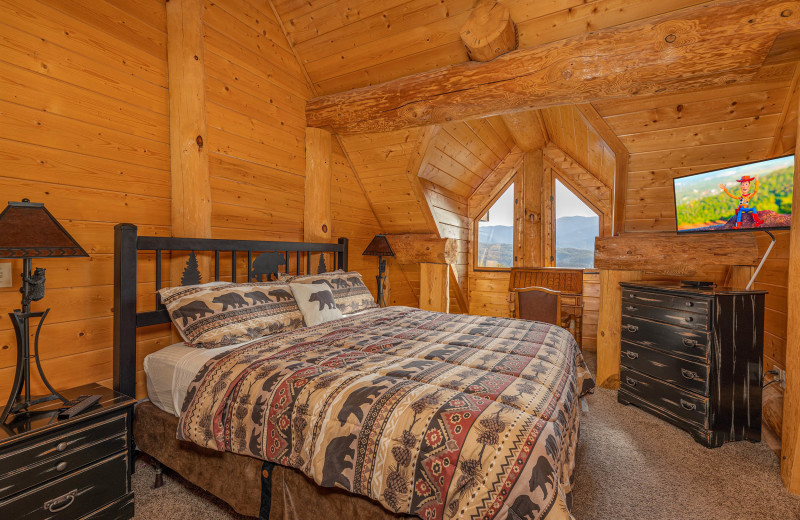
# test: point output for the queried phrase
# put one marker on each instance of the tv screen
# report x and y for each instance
(749, 197)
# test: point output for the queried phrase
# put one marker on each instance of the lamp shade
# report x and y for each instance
(28, 230)
(379, 247)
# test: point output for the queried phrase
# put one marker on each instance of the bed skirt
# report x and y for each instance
(292, 496)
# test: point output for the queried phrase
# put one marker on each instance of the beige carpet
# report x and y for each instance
(631, 466)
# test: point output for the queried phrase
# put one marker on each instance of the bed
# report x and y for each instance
(387, 413)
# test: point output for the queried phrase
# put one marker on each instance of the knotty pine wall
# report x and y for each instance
(674, 135)
(84, 105)
(84, 109)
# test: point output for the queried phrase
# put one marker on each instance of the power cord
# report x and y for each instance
(772, 373)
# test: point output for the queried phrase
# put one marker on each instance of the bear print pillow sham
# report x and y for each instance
(316, 303)
(214, 316)
(349, 291)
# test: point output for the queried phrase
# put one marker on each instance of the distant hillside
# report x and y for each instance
(575, 243)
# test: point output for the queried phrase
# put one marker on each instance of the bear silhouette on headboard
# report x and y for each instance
(266, 264)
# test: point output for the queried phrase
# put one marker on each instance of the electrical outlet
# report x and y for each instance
(5, 274)
(781, 377)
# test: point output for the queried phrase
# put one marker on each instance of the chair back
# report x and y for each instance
(538, 304)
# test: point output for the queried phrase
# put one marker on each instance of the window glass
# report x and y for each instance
(496, 233)
(577, 225)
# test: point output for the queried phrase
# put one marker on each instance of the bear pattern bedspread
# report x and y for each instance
(437, 415)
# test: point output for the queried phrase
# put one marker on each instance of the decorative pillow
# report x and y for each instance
(315, 302)
(233, 313)
(349, 291)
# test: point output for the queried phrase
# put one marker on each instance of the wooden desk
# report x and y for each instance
(568, 281)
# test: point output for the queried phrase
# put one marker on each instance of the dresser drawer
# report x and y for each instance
(29, 463)
(664, 397)
(686, 303)
(680, 372)
(678, 317)
(669, 338)
(74, 495)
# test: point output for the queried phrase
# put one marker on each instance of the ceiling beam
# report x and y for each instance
(688, 49)
(527, 128)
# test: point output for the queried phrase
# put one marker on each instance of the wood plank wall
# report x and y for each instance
(674, 135)
(84, 104)
(84, 101)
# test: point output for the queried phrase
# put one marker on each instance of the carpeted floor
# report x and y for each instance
(631, 466)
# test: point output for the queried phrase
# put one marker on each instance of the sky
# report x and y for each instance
(567, 205)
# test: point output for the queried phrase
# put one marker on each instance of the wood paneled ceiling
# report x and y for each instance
(345, 44)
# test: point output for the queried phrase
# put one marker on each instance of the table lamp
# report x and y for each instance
(28, 230)
(380, 247)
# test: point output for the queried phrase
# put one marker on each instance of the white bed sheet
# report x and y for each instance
(170, 371)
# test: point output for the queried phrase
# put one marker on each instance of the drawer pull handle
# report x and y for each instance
(688, 374)
(631, 355)
(61, 446)
(631, 381)
(689, 319)
(61, 503)
(690, 304)
(61, 466)
(632, 308)
(631, 328)
(690, 342)
(686, 405)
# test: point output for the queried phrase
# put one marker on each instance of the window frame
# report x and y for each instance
(589, 204)
(476, 225)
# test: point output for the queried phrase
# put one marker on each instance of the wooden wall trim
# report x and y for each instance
(790, 463)
(532, 181)
(190, 185)
(517, 80)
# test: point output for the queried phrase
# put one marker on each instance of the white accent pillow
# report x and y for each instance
(316, 303)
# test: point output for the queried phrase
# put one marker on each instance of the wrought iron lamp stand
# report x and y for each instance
(20, 398)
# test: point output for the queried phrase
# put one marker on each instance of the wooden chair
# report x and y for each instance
(538, 304)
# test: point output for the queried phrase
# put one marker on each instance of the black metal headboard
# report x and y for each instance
(127, 244)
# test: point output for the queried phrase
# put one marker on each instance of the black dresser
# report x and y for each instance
(77, 468)
(693, 357)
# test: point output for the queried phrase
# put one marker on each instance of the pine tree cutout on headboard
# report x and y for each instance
(191, 274)
(322, 268)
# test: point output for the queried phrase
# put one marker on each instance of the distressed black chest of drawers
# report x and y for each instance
(78, 468)
(693, 357)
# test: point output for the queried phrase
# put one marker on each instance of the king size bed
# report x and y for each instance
(376, 413)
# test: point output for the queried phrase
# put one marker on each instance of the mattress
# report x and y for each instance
(169, 372)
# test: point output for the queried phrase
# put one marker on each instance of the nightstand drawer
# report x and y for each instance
(73, 496)
(30, 463)
(680, 372)
(64, 463)
(679, 317)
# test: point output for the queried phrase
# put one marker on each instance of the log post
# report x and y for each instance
(740, 275)
(317, 212)
(434, 287)
(532, 179)
(190, 184)
(609, 326)
(489, 31)
(790, 454)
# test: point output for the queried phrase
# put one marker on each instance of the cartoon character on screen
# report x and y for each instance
(744, 199)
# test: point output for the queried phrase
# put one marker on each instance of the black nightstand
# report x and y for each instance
(77, 468)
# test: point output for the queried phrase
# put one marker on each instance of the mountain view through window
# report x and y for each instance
(496, 233)
(576, 228)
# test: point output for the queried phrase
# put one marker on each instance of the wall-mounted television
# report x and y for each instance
(749, 197)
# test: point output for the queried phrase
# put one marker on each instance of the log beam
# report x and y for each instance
(317, 208)
(528, 129)
(790, 453)
(674, 254)
(489, 31)
(415, 248)
(434, 287)
(673, 52)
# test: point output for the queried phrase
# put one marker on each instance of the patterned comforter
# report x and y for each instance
(437, 415)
